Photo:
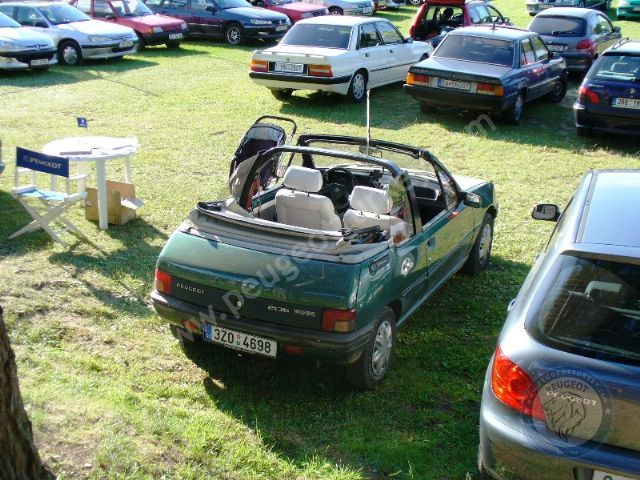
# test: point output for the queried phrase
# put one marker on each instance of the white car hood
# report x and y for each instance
(24, 36)
(296, 50)
(96, 27)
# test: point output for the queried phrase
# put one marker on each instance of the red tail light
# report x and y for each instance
(514, 387)
(294, 350)
(586, 45)
(320, 71)
(417, 79)
(259, 66)
(163, 282)
(585, 94)
(338, 320)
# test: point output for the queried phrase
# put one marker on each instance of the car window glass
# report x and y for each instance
(476, 49)
(84, 5)
(155, 3)
(529, 55)
(484, 16)
(368, 36)
(316, 35)
(177, 4)
(616, 67)
(101, 9)
(559, 26)
(388, 32)
(202, 5)
(27, 16)
(603, 27)
(448, 189)
(494, 13)
(560, 224)
(474, 15)
(540, 48)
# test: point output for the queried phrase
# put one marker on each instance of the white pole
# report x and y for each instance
(368, 120)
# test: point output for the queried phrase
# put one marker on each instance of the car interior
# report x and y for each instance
(436, 18)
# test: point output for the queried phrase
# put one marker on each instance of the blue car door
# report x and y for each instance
(173, 8)
(532, 69)
(549, 75)
(207, 14)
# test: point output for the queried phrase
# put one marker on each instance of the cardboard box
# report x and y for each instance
(121, 201)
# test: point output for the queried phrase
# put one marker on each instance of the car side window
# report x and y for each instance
(389, 33)
(368, 36)
(27, 16)
(527, 52)
(176, 4)
(101, 9)
(494, 13)
(474, 15)
(540, 48)
(484, 16)
(448, 189)
(84, 6)
(603, 26)
(560, 224)
(202, 5)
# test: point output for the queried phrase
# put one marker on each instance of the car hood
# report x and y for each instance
(24, 36)
(96, 27)
(300, 7)
(155, 20)
(464, 67)
(304, 51)
(257, 12)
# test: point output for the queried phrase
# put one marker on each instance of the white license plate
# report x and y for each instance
(39, 61)
(175, 36)
(556, 48)
(597, 475)
(125, 44)
(240, 341)
(281, 28)
(632, 103)
(446, 83)
(289, 67)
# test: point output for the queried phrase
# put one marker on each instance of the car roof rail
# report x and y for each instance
(620, 43)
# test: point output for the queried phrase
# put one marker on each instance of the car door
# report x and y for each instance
(532, 69)
(543, 57)
(372, 53)
(174, 8)
(399, 55)
(605, 33)
(207, 14)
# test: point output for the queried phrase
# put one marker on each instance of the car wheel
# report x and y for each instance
(141, 43)
(234, 34)
(480, 255)
(582, 131)
(336, 11)
(358, 87)
(69, 53)
(425, 107)
(372, 366)
(513, 115)
(559, 91)
(282, 93)
(173, 45)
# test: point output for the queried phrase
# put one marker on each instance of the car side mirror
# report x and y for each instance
(506, 20)
(554, 55)
(617, 29)
(408, 40)
(546, 211)
(472, 200)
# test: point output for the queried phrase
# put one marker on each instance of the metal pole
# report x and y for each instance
(368, 120)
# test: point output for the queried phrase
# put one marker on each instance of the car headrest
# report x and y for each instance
(301, 178)
(368, 199)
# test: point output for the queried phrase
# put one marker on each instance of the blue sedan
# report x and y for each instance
(489, 68)
(609, 97)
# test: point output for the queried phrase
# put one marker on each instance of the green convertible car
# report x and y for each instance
(323, 249)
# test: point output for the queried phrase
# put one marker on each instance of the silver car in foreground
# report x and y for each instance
(561, 398)
(21, 48)
(77, 37)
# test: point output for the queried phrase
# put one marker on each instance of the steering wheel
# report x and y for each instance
(338, 184)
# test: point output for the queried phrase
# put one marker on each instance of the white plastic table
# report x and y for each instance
(98, 150)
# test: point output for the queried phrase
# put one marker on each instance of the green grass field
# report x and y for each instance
(111, 393)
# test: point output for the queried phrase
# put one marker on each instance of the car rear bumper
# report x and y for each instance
(164, 37)
(577, 62)
(623, 123)
(340, 348)
(107, 51)
(298, 82)
(449, 98)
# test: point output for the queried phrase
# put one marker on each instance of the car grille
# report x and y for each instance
(318, 13)
(37, 52)
(119, 50)
(172, 28)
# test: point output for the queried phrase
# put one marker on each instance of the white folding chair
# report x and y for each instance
(29, 163)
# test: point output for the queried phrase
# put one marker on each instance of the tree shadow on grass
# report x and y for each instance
(405, 426)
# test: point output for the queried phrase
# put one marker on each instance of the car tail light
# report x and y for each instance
(586, 45)
(294, 350)
(490, 89)
(338, 320)
(586, 95)
(163, 282)
(259, 66)
(514, 387)
(417, 79)
(320, 71)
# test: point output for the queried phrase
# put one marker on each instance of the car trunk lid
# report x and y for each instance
(454, 69)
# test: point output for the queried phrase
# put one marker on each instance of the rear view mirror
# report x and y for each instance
(546, 211)
(472, 200)
(617, 29)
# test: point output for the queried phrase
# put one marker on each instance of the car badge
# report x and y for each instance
(632, 91)
(38, 49)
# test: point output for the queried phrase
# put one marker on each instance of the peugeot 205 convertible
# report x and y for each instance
(323, 249)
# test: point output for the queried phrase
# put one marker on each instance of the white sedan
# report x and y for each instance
(345, 55)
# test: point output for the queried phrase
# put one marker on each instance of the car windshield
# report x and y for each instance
(281, 2)
(591, 307)
(559, 26)
(224, 4)
(60, 13)
(130, 8)
(617, 67)
(6, 22)
(476, 49)
(315, 35)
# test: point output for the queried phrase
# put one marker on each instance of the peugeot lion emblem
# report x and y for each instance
(37, 48)
(632, 91)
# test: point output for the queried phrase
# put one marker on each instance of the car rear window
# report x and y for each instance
(476, 49)
(559, 26)
(590, 307)
(313, 35)
(616, 67)
(6, 22)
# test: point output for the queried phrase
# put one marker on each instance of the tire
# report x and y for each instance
(336, 11)
(281, 93)
(358, 87)
(141, 43)
(513, 115)
(559, 91)
(584, 131)
(532, 14)
(233, 34)
(372, 366)
(480, 255)
(425, 108)
(69, 53)
(173, 45)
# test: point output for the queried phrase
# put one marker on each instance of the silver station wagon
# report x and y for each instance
(77, 37)
(20, 48)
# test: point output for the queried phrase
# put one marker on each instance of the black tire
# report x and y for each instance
(425, 108)
(173, 45)
(480, 255)
(584, 131)
(358, 87)
(532, 14)
(141, 43)
(69, 53)
(559, 91)
(372, 366)
(281, 93)
(233, 34)
(336, 11)
(513, 115)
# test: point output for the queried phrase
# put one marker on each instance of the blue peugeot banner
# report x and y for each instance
(82, 122)
(42, 163)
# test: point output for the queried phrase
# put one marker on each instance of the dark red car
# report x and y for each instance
(293, 9)
(437, 17)
(151, 28)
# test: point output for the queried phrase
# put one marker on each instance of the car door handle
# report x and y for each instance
(431, 242)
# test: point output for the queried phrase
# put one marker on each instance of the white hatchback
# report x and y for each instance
(345, 55)
(21, 48)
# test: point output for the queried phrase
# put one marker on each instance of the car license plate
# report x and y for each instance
(446, 83)
(556, 48)
(240, 341)
(39, 61)
(126, 44)
(597, 475)
(632, 103)
(281, 28)
(289, 67)
(175, 36)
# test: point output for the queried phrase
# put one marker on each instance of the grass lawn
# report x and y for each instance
(111, 393)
